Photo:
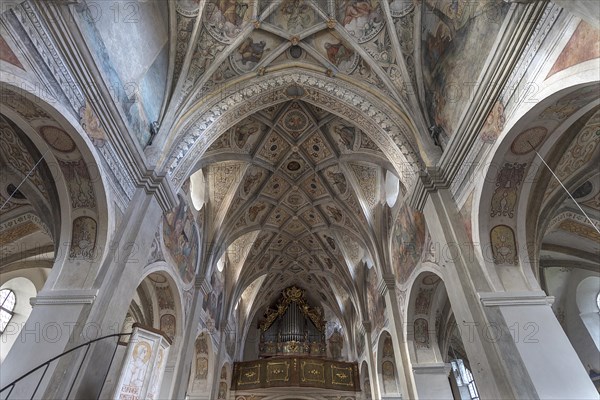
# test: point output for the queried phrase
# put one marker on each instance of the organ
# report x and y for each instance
(292, 327)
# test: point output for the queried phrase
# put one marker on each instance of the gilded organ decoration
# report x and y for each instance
(296, 295)
(312, 372)
(295, 372)
(278, 371)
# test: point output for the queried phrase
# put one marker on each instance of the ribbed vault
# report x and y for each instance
(295, 195)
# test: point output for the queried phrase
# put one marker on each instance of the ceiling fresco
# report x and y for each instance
(294, 191)
(413, 53)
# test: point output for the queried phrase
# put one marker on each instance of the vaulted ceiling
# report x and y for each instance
(295, 193)
(426, 57)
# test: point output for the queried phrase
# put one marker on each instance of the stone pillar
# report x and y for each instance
(64, 318)
(494, 325)
(182, 377)
(387, 288)
(57, 319)
(552, 364)
(464, 277)
(432, 382)
(372, 363)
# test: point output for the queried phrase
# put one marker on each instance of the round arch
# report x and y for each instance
(85, 221)
(516, 182)
(167, 308)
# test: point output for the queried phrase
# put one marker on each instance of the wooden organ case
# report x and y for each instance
(293, 352)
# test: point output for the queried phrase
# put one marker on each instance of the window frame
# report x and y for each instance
(10, 311)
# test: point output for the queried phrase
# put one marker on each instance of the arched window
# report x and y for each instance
(464, 380)
(7, 305)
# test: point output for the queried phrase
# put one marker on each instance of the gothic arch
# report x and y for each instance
(206, 121)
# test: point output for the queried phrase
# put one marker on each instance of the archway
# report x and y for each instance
(387, 370)
(435, 343)
(55, 205)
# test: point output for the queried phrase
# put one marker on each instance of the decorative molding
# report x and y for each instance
(121, 156)
(381, 122)
(549, 16)
(65, 297)
(21, 219)
(120, 180)
(430, 180)
(546, 21)
(515, 34)
(31, 22)
(506, 299)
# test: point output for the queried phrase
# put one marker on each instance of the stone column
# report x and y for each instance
(182, 377)
(64, 317)
(387, 288)
(432, 382)
(552, 365)
(375, 390)
(55, 323)
(515, 345)
(464, 277)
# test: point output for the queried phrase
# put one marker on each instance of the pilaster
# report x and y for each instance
(375, 391)
(387, 288)
(527, 320)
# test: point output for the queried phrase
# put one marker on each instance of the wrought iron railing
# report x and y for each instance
(46, 365)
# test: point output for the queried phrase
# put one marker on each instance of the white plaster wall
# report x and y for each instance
(579, 334)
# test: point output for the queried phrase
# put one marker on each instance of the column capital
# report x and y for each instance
(203, 284)
(387, 284)
(64, 297)
(505, 299)
(367, 326)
